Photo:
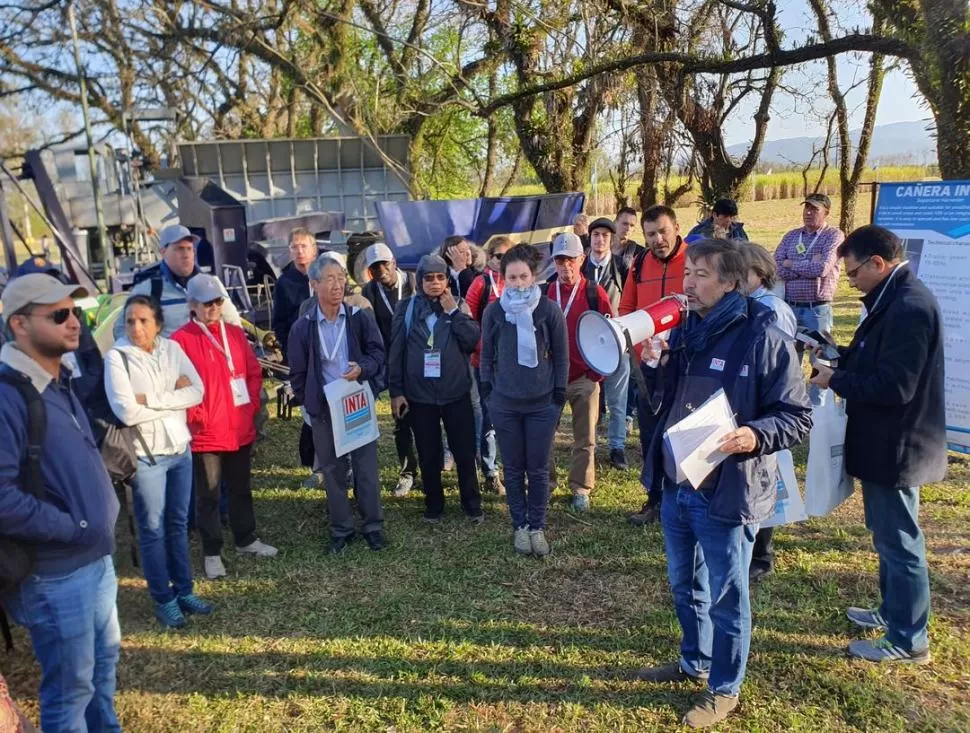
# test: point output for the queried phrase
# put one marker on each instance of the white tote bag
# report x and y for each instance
(352, 415)
(826, 483)
(789, 507)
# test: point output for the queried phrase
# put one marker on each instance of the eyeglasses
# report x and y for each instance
(855, 270)
(215, 301)
(60, 316)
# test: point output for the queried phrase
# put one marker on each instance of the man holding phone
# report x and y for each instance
(429, 375)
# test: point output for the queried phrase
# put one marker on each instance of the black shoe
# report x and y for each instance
(339, 544)
(618, 459)
(477, 518)
(757, 573)
(432, 518)
(648, 514)
(375, 540)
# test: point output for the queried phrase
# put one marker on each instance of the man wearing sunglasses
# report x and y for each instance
(67, 601)
(168, 280)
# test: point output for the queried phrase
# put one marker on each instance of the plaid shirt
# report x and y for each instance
(814, 273)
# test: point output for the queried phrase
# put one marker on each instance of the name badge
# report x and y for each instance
(717, 365)
(432, 364)
(800, 248)
(744, 371)
(240, 392)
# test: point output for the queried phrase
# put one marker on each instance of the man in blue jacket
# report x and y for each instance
(724, 343)
(329, 342)
(891, 376)
(67, 602)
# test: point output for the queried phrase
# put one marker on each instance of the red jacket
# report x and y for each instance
(217, 425)
(578, 367)
(474, 299)
(656, 279)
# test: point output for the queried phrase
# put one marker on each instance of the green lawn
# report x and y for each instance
(449, 630)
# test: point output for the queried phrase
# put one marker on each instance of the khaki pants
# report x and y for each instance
(583, 396)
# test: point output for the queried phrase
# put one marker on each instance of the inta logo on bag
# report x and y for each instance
(356, 410)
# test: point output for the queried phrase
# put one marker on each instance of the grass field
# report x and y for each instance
(449, 630)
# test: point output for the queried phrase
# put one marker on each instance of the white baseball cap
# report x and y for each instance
(36, 288)
(567, 244)
(335, 256)
(378, 252)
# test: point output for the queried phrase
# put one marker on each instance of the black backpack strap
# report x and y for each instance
(486, 292)
(638, 259)
(157, 286)
(138, 435)
(593, 296)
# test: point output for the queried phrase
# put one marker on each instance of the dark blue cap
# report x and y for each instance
(34, 265)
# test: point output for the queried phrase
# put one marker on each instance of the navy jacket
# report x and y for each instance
(757, 367)
(891, 376)
(364, 346)
(74, 524)
(705, 230)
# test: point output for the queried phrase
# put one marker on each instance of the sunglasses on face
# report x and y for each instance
(216, 301)
(60, 316)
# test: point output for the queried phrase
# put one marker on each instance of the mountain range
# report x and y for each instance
(897, 143)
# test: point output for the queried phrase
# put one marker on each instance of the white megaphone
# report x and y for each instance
(603, 340)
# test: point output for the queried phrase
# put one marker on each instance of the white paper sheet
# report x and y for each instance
(694, 440)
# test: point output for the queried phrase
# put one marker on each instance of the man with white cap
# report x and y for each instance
(387, 287)
(167, 281)
(57, 511)
(575, 295)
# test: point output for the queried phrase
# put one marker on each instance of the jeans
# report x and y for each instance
(73, 624)
(616, 388)
(892, 515)
(163, 498)
(817, 318)
(487, 446)
(707, 563)
(526, 441)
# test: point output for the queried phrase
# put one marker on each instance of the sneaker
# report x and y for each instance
(672, 672)
(477, 519)
(881, 650)
(375, 540)
(629, 424)
(521, 541)
(258, 548)
(432, 518)
(618, 459)
(580, 503)
(214, 567)
(648, 514)
(447, 461)
(191, 603)
(709, 709)
(867, 618)
(494, 484)
(404, 486)
(313, 481)
(338, 545)
(757, 573)
(539, 543)
(170, 615)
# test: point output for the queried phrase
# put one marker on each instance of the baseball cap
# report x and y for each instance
(725, 207)
(40, 265)
(378, 252)
(335, 256)
(603, 223)
(205, 288)
(175, 233)
(36, 289)
(567, 244)
(818, 200)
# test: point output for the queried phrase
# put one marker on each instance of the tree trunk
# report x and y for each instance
(947, 52)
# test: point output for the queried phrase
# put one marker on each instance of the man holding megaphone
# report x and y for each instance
(724, 343)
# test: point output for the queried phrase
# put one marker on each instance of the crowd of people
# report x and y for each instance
(480, 358)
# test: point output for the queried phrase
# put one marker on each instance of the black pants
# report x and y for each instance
(763, 554)
(459, 422)
(210, 470)
(404, 442)
(648, 425)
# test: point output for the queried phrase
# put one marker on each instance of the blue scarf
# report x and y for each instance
(697, 331)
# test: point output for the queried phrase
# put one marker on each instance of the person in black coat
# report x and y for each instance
(891, 376)
(293, 285)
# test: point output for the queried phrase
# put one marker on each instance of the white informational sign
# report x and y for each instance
(933, 220)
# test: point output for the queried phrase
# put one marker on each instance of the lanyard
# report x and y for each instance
(224, 348)
(886, 287)
(400, 291)
(569, 303)
(495, 290)
(814, 239)
(329, 356)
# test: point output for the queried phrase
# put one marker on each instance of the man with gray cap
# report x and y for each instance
(387, 287)
(57, 511)
(166, 282)
(607, 269)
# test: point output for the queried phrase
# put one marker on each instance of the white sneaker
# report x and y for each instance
(404, 486)
(258, 548)
(214, 567)
(313, 481)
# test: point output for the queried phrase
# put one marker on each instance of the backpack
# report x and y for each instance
(16, 557)
(483, 301)
(592, 292)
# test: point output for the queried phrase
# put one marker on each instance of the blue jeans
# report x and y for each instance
(163, 500)
(817, 318)
(616, 391)
(485, 431)
(892, 515)
(73, 625)
(707, 563)
(526, 441)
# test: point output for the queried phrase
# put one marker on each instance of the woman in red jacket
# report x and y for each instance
(223, 426)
